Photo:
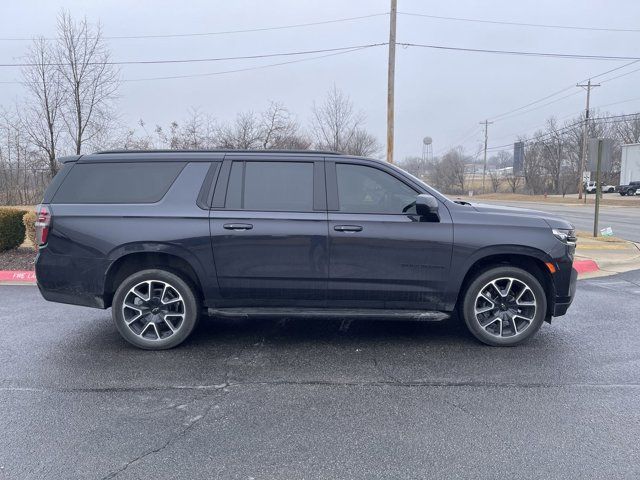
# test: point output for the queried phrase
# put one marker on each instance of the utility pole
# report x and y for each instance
(391, 78)
(486, 124)
(588, 86)
(598, 188)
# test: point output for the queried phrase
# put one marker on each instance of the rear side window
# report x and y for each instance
(144, 182)
(56, 182)
(271, 186)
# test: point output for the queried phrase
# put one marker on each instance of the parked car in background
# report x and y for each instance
(590, 187)
(632, 189)
(162, 237)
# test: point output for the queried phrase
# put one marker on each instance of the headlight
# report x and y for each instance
(566, 235)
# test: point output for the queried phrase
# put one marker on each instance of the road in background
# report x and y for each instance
(307, 399)
(625, 221)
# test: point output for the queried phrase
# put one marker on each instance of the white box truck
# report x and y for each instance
(630, 164)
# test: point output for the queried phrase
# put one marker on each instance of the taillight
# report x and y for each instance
(43, 222)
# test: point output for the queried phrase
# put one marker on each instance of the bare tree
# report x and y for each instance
(89, 79)
(514, 181)
(243, 134)
(416, 166)
(364, 144)
(41, 116)
(337, 126)
(629, 130)
(495, 179)
(449, 173)
(335, 121)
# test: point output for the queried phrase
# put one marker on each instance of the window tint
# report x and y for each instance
(363, 189)
(271, 186)
(143, 182)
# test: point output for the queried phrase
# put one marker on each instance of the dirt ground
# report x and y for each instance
(21, 258)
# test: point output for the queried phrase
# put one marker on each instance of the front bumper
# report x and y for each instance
(564, 279)
(563, 302)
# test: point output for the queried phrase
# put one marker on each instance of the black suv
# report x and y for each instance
(630, 189)
(165, 236)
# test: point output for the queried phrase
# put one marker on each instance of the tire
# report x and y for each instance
(631, 192)
(502, 325)
(161, 309)
(622, 194)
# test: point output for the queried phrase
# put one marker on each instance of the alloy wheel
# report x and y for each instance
(153, 310)
(505, 307)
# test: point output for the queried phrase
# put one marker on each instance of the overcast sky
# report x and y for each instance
(443, 94)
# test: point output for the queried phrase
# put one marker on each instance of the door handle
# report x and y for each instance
(348, 228)
(237, 226)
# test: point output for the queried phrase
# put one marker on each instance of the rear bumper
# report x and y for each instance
(70, 279)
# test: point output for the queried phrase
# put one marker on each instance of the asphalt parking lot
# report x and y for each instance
(309, 399)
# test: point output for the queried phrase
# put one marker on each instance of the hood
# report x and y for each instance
(552, 220)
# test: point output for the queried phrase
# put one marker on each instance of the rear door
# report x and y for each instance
(383, 255)
(269, 232)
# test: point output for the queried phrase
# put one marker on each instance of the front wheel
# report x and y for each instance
(155, 309)
(504, 306)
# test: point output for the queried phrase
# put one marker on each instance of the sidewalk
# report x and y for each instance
(609, 256)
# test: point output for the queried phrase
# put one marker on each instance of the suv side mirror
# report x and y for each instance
(426, 205)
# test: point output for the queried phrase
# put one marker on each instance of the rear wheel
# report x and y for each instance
(155, 309)
(631, 192)
(504, 306)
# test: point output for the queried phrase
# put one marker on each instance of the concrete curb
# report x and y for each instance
(17, 277)
(585, 266)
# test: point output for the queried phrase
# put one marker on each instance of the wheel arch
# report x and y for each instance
(126, 262)
(527, 258)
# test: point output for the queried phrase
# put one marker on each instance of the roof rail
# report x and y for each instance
(217, 150)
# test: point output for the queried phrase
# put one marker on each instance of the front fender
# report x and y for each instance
(463, 262)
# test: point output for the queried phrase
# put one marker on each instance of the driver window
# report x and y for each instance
(363, 189)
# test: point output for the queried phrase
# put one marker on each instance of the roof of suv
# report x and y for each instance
(194, 155)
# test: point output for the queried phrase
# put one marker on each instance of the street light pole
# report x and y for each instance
(391, 79)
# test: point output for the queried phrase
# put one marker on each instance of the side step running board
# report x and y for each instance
(377, 314)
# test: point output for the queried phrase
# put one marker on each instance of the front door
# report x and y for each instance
(383, 255)
(269, 238)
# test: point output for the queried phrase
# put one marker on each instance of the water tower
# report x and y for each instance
(427, 150)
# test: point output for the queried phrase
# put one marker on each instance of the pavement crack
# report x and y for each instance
(381, 371)
(175, 437)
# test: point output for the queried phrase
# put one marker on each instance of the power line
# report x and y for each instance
(246, 69)
(205, 60)
(237, 70)
(606, 120)
(574, 56)
(521, 24)
(205, 34)
(507, 113)
(305, 52)
(621, 75)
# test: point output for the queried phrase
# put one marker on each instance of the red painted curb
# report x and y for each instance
(585, 266)
(22, 276)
